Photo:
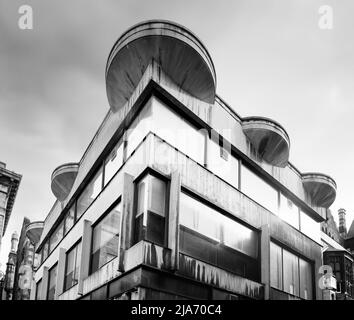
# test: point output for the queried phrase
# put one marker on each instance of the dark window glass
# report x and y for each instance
(208, 235)
(105, 239)
(52, 283)
(72, 267)
(89, 194)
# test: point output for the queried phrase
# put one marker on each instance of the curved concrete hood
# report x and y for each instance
(34, 231)
(179, 52)
(63, 179)
(321, 188)
(269, 139)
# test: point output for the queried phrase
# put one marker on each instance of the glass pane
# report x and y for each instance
(199, 217)
(291, 273)
(105, 239)
(184, 136)
(258, 190)
(310, 227)
(113, 162)
(90, 193)
(141, 197)
(56, 237)
(239, 237)
(276, 266)
(305, 280)
(69, 219)
(52, 283)
(38, 289)
(157, 196)
(70, 266)
(289, 212)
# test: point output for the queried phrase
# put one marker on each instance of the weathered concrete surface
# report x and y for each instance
(220, 278)
(63, 178)
(269, 139)
(322, 188)
(180, 53)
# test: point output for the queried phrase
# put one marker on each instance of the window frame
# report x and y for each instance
(104, 215)
(74, 246)
(299, 257)
(55, 265)
(149, 171)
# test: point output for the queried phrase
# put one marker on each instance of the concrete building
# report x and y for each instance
(177, 196)
(9, 183)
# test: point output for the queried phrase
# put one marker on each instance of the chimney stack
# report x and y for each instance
(342, 223)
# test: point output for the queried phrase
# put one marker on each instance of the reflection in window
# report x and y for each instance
(105, 239)
(69, 219)
(89, 194)
(56, 237)
(289, 212)
(209, 222)
(113, 162)
(305, 279)
(72, 267)
(150, 215)
(52, 283)
(276, 266)
(290, 273)
(258, 190)
(45, 251)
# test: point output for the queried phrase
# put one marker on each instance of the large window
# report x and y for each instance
(260, 191)
(38, 289)
(290, 273)
(150, 214)
(105, 239)
(56, 237)
(89, 194)
(208, 235)
(72, 266)
(52, 283)
(170, 126)
(113, 162)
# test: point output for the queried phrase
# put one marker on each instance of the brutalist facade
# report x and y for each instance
(177, 196)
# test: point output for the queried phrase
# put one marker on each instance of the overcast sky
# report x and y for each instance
(271, 59)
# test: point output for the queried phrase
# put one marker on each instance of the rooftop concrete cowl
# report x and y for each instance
(34, 231)
(269, 139)
(178, 51)
(321, 188)
(63, 178)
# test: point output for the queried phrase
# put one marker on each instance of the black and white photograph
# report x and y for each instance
(194, 151)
